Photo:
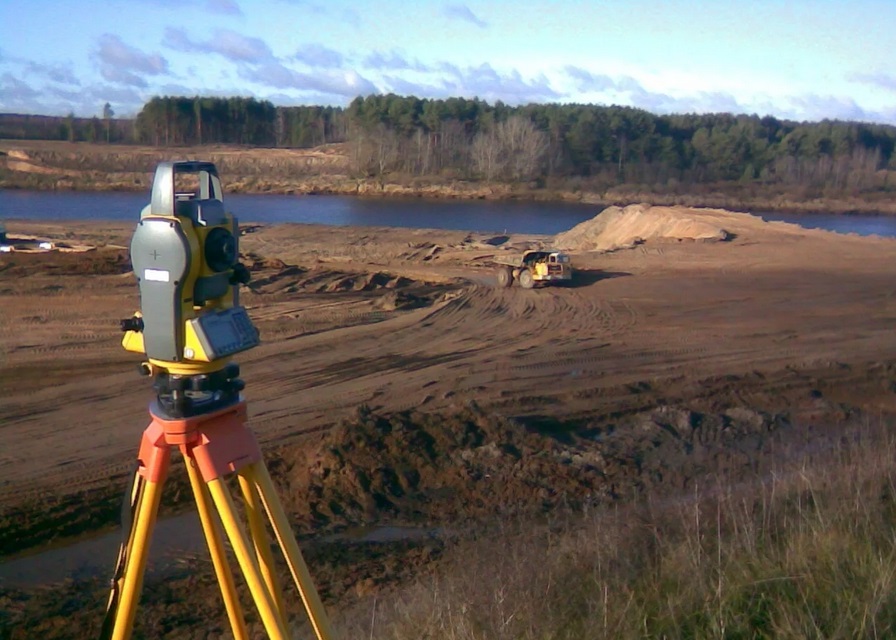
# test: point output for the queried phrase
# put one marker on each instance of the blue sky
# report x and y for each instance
(794, 59)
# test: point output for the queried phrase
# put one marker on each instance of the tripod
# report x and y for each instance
(209, 428)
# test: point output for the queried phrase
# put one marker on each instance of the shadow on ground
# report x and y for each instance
(588, 277)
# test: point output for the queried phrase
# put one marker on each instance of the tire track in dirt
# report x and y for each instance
(580, 326)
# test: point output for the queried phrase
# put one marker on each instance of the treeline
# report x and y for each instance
(247, 121)
(611, 145)
(472, 139)
(111, 130)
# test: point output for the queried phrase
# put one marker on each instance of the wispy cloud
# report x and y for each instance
(60, 73)
(486, 82)
(462, 12)
(508, 86)
(343, 84)
(225, 42)
(393, 61)
(629, 91)
(111, 50)
(18, 95)
(258, 64)
(809, 107)
(587, 81)
(16, 91)
(403, 87)
(880, 80)
(124, 64)
(225, 7)
(319, 56)
(817, 107)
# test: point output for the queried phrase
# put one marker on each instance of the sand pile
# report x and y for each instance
(618, 228)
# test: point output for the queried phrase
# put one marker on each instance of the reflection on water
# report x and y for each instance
(540, 218)
(176, 542)
(860, 224)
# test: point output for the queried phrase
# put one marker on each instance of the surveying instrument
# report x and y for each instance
(185, 256)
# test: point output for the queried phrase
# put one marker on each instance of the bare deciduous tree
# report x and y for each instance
(485, 155)
(512, 150)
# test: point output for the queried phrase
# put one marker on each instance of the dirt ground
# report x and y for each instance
(397, 383)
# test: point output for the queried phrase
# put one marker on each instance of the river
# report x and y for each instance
(541, 218)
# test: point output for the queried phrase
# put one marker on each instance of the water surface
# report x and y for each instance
(419, 213)
(541, 218)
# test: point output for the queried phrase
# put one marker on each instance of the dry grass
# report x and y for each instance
(805, 552)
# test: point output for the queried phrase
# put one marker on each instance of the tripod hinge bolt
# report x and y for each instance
(132, 324)
(145, 369)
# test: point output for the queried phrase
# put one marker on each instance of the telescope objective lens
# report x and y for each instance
(220, 249)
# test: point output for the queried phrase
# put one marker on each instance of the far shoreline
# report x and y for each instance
(33, 165)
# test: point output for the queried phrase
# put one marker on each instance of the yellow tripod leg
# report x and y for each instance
(128, 515)
(217, 552)
(287, 541)
(274, 624)
(137, 554)
(255, 517)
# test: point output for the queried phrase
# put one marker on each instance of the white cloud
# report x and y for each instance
(880, 80)
(818, 107)
(16, 91)
(485, 82)
(124, 64)
(60, 73)
(401, 86)
(225, 7)
(393, 61)
(444, 79)
(462, 12)
(225, 42)
(340, 84)
(317, 55)
(587, 81)
(120, 75)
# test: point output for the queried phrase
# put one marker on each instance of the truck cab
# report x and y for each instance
(549, 266)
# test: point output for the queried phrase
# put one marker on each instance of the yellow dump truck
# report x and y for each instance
(534, 268)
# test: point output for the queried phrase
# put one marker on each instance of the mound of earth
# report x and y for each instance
(619, 228)
(438, 468)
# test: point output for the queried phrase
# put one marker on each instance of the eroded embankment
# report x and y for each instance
(446, 468)
(451, 470)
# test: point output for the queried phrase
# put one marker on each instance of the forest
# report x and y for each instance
(388, 136)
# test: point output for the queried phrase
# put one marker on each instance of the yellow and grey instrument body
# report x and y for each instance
(184, 252)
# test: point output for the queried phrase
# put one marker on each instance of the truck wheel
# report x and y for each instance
(505, 277)
(526, 279)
